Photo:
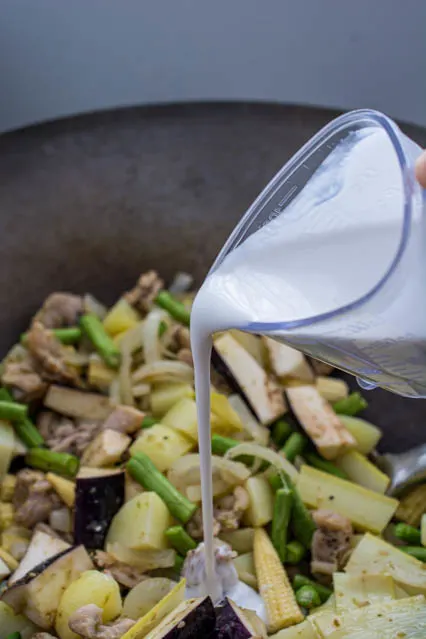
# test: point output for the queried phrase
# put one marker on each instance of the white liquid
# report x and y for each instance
(330, 247)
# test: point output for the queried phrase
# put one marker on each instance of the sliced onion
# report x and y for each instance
(61, 520)
(193, 492)
(182, 283)
(185, 472)
(131, 341)
(259, 433)
(124, 376)
(92, 305)
(114, 392)
(267, 454)
(141, 390)
(150, 339)
(163, 371)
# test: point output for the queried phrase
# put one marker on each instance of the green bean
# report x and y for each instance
(179, 561)
(50, 461)
(14, 635)
(221, 444)
(145, 472)
(302, 524)
(105, 346)
(11, 411)
(408, 533)
(280, 522)
(323, 464)
(29, 434)
(180, 540)
(419, 552)
(5, 396)
(25, 429)
(280, 432)
(295, 552)
(276, 481)
(175, 308)
(294, 446)
(300, 580)
(351, 405)
(148, 421)
(307, 597)
(67, 336)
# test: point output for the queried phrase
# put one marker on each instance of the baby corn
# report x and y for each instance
(412, 506)
(274, 586)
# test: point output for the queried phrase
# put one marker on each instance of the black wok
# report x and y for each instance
(89, 202)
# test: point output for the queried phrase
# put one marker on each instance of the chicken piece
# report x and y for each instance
(124, 419)
(87, 622)
(126, 575)
(24, 380)
(54, 427)
(331, 543)
(85, 434)
(146, 290)
(185, 356)
(178, 338)
(49, 355)
(42, 635)
(229, 510)
(34, 498)
(60, 310)
(194, 526)
(64, 435)
(106, 449)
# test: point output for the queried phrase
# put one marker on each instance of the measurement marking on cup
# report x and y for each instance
(278, 209)
(281, 204)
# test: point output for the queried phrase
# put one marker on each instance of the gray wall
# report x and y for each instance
(59, 57)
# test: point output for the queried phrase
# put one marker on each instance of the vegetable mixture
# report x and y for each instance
(100, 512)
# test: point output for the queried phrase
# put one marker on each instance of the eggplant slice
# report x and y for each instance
(232, 622)
(37, 594)
(97, 501)
(192, 619)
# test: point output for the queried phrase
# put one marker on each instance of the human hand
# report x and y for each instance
(421, 169)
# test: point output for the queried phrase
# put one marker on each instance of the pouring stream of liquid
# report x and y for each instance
(201, 349)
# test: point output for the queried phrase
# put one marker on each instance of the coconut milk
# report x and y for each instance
(330, 247)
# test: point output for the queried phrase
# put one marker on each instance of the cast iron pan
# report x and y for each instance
(88, 203)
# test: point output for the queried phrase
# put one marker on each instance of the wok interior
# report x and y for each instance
(89, 203)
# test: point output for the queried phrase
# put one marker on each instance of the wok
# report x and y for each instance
(88, 203)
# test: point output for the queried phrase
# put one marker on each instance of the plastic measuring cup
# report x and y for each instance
(375, 239)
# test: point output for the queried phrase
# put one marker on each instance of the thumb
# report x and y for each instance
(421, 169)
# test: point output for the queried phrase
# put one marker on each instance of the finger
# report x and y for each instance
(421, 169)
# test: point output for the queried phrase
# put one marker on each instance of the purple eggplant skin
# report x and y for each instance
(230, 623)
(97, 501)
(197, 620)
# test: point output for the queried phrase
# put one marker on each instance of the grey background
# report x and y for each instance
(61, 57)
